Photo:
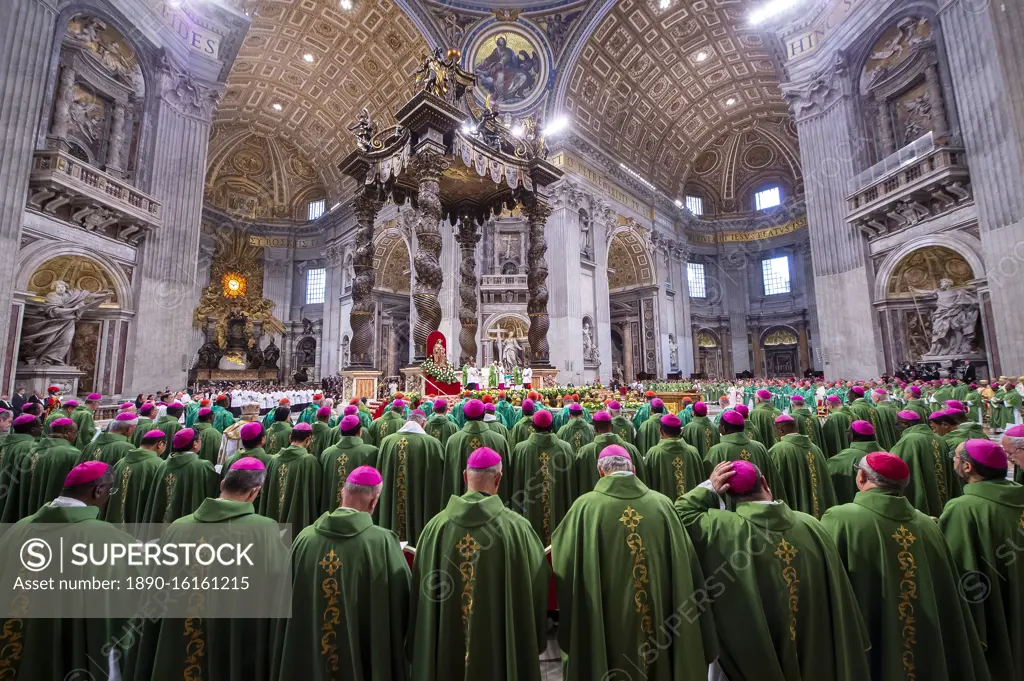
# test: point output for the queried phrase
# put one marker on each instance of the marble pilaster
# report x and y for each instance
(330, 346)
(605, 219)
(449, 294)
(565, 303)
(733, 280)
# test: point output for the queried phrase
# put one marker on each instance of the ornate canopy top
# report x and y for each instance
(485, 167)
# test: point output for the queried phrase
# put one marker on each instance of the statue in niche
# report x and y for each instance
(345, 352)
(209, 356)
(589, 348)
(673, 352)
(271, 355)
(350, 272)
(254, 357)
(586, 245)
(439, 355)
(617, 374)
(512, 353)
(954, 319)
(49, 326)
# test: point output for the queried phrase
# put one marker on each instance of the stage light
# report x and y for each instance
(517, 130)
(730, 101)
(346, 4)
(308, 58)
(701, 56)
(556, 126)
(276, 107)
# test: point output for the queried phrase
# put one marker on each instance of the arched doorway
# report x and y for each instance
(505, 340)
(633, 301)
(709, 353)
(781, 351)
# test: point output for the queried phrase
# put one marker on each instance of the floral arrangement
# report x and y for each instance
(444, 374)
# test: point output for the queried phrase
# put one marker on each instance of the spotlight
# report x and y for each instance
(276, 107)
(556, 126)
(679, 203)
(346, 4)
(771, 9)
(308, 58)
(664, 4)
(701, 56)
(517, 130)
(730, 101)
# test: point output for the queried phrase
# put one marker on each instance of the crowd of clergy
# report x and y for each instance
(874, 538)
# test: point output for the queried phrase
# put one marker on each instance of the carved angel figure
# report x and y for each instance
(364, 129)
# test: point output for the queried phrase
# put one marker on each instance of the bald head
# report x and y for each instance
(419, 419)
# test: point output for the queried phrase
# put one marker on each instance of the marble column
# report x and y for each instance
(451, 257)
(330, 347)
(468, 238)
(115, 145)
(25, 50)
(830, 156)
(537, 212)
(565, 304)
(940, 126)
(732, 286)
(167, 271)
(362, 318)
(604, 221)
(62, 108)
(888, 141)
(684, 331)
(429, 275)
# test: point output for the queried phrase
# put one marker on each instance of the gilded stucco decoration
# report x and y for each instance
(107, 47)
(391, 262)
(896, 46)
(77, 272)
(629, 262)
(780, 336)
(706, 340)
(925, 268)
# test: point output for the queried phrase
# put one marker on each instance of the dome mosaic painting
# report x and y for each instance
(549, 302)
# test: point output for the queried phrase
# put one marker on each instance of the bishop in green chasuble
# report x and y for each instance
(624, 573)
(762, 419)
(412, 464)
(439, 425)
(905, 581)
(700, 433)
(291, 494)
(673, 466)
(783, 604)
(650, 430)
(170, 422)
(932, 479)
(111, 446)
(280, 431)
(836, 427)
(134, 477)
(543, 478)
(350, 595)
(183, 481)
(736, 446)
(209, 437)
(885, 419)
(621, 426)
(390, 421)
(842, 467)
(480, 587)
(523, 427)
(802, 467)
(340, 459)
(14, 455)
(577, 432)
(473, 435)
(807, 421)
(585, 465)
(49, 462)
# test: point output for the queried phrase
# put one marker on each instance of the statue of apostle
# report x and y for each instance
(50, 326)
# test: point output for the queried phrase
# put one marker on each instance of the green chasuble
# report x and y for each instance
(577, 432)
(543, 482)
(335, 633)
(623, 427)
(842, 469)
(962, 433)
(278, 436)
(522, 430)
(209, 442)
(785, 611)
(624, 567)
(412, 465)
(336, 462)
(473, 436)
(291, 493)
(323, 437)
(762, 421)
(807, 486)
(170, 426)
(48, 464)
(440, 427)
(232, 649)
(308, 414)
(920, 408)
(222, 418)
(978, 527)
(906, 584)
(933, 481)
(641, 415)
(701, 434)
(145, 425)
(585, 466)
(836, 432)
(506, 412)
(134, 477)
(808, 423)
(498, 427)
(674, 467)
(64, 648)
(15, 475)
(736, 446)
(1012, 400)
(108, 448)
(388, 423)
(82, 416)
(973, 401)
(649, 433)
(191, 413)
(864, 411)
(885, 424)
(241, 453)
(938, 401)
(480, 591)
(180, 486)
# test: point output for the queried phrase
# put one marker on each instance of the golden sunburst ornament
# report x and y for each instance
(234, 285)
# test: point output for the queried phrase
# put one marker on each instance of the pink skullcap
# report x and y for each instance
(671, 421)
(474, 409)
(528, 406)
(862, 428)
(542, 419)
(908, 415)
(350, 410)
(700, 409)
(323, 411)
(85, 472)
(602, 416)
(93, 397)
(70, 403)
(248, 463)
(153, 433)
(614, 405)
(987, 453)
(880, 391)
(614, 450)
(743, 409)
(490, 408)
(834, 399)
(745, 478)
(176, 405)
(796, 398)
(419, 412)
(147, 408)
(888, 465)
(303, 427)
(784, 418)
(857, 390)
(398, 404)
(61, 423)
(251, 431)
(733, 417)
(657, 403)
(125, 416)
(350, 422)
(23, 419)
(1014, 431)
(915, 391)
(127, 405)
(764, 394)
(367, 476)
(440, 405)
(205, 411)
(484, 457)
(182, 438)
(935, 416)
(955, 405)
(575, 408)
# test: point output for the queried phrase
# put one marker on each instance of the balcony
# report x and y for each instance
(71, 190)
(503, 281)
(918, 182)
(504, 288)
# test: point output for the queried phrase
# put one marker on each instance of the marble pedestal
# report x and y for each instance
(544, 378)
(361, 383)
(41, 376)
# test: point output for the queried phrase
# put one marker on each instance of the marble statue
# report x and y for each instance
(954, 319)
(589, 349)
(49, 327)
(438, 354)
(271, 355)
(511, 353)
(673, 352)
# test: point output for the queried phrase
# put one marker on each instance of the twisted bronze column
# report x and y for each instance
(537, 213)
(468, 238)
(427, 261)
(363, 307)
